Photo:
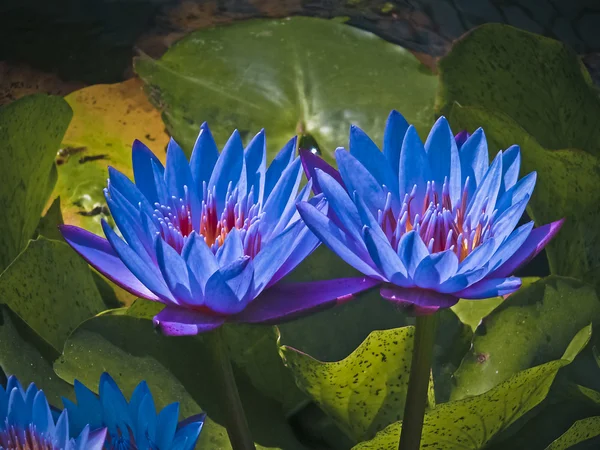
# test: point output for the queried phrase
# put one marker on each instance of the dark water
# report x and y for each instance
(93, 41)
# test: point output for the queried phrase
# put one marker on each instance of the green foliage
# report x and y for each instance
(296, 75)
(364, 392)
(51, 288)
(527, 330)
(582, 430)
(472, 422)
(30, 132)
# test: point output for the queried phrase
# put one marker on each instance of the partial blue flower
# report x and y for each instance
(27, 422)
(212, 237)
(432, 222)
(135, 424)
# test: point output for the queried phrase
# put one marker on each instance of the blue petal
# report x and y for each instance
(367, 219)
(519, 191)
(175, 321)
(219, 297)
(478, 257)
(341, 204)
(474, 160)
(162, 191)
(239, 276)
(507, 221)
(462, 280)
(385, 258)
(140, 391)
(282, 197)
(435, 269)
(204, 157)
(486, 193)
(146, 422)
(228, 169)
(166, 426)
(187, 436)
(338, 241)
(88, 405)
(444, 161)
(232, 249)
(367, 153)
(490, 287)
(41, 415)
(199, 258)
(256, 164)
(125, 187)
(511, 165)
(414, 166)
(291, 215)
(129, 224)
(175, 273)
(395, 130)
(510, 246)
(114, 405)
(311, 163)
(411, 251)
(178, 177)
(149, 275)
(95, 440)
(142, 159)
(61, 431)
(278, 165)
(18, 413)
(357, 178)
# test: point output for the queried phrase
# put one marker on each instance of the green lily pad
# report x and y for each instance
(537, 81)
(291, 76)
(364, 392)
(51, 289)
(30, 132)
(175, 368)
(582, 430)
(530, 328)
(48, 225)
(567, 186)
(472, 422)
(106, 121)
(28, 357)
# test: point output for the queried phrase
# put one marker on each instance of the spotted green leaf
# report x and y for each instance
(538, 82)
(582, 430)
(472, 422)
(30, 132)
(563, 176)
(527, 330)
(51, 289)
(291, 76)
(27, 356)
(364, 392)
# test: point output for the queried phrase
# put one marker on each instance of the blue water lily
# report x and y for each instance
(28, 423)
(432, 222)
(211, 238)
(134, 424)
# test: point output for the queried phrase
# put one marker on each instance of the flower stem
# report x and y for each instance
(237, 425)
(418, 383)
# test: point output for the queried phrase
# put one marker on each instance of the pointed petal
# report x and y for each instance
(462, 280)
(385, 257)
(395, 130)
(415, 296)
(178, 178)
(516, 239)
(461, 137)
(474, 160)
(256, 164)
(200, 259)
(278, 165)
(311, 162)
(341, 204)
(524, 188)
(100, 255)
(490, 287)
(357, 178)
(507, 221)
(414, 166)
(411, 251)
(219, 297)
(166, 425)
(232, 249)
(511, 165)
(125, 187)
(174, 321)
(536, 241)
(228, 169)
(338, 241)
(486, 193)
(371, 158)
(478, 257)
(435, 269)
(204, 157)
(148, 274)
(142, 159)
(175, 273)
(444, 161)
(286, 301)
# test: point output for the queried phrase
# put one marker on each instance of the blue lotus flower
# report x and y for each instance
(432, 222)
(211, 238)
(134, 424)
(27, 423)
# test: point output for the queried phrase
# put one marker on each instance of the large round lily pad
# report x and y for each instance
(296, 75)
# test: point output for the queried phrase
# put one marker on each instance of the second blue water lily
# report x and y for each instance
(433, 222)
